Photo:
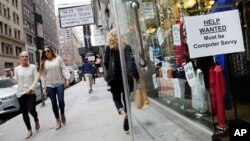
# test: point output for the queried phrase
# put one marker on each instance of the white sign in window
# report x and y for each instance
(159, 36)
(76, 16)
(213, 34)
(190, 75)
(148, 10)
(176, 34)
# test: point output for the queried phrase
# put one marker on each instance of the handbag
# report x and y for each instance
(110, 76)
(141, 99)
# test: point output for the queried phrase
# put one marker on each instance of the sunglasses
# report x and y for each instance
(47, 51)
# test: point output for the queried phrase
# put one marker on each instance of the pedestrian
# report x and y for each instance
(117, 88)
(27, 77)
(53, 75)
(8, 73)
(88, 70)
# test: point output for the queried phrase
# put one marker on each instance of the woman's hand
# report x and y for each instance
(44, 92)
(30, 91)
(67, 83)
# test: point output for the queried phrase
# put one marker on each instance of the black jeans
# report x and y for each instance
(28, 104)
(119, 100)
(59, 91)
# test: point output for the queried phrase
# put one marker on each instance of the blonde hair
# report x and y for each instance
(112, 39)
(22, 53)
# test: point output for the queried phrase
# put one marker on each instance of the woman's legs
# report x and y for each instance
(60, 95)
(118, 102)
(31, 101)
(28, 104)
(24, 109)
(52, 94)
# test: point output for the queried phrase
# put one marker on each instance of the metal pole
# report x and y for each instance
(37, 52)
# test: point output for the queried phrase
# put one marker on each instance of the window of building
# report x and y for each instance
(31, 57)
(18, 34)
(8, 65)
(15, 33)
(8, 13)
(14, 17)
(10, 31)
(13, 2)
(4, 11)
(17, 19)
(0, 8)
(3, 47)
(7, 49)
(29, 39)
(6, 29)
(1, 27)
(18, 50)
(11, 50)
(16, 3)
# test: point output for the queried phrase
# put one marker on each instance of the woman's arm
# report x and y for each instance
(65, 72)
(106, 57)
(35, 78)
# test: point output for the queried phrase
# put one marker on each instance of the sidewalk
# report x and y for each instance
(93, 117)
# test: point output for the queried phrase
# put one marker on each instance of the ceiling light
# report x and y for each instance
(211, 2)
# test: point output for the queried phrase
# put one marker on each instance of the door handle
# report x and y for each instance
(135, 6)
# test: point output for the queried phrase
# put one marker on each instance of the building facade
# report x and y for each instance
(47, 9)
(29, 29)
(11, 33)
(161, 46)
(69, 43)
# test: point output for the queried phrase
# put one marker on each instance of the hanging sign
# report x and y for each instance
(189, 72)
(159, 36)
(176, 34)
(213, 34)
(76, 16)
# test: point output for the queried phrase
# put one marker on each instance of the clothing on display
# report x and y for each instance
(181, 51)
(218, 87)
(199, 93)
(223, 59)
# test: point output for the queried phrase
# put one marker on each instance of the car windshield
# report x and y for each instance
(5, 83)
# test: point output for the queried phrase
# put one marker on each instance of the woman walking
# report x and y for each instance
(53, 75)
(116, 85)
(27, 76)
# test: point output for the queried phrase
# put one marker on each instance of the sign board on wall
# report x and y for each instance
(213, 34)
(76, 16)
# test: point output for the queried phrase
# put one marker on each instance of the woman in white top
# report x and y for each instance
(53, 76)
(27, 76)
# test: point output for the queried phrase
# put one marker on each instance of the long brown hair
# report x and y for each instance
(44, 57)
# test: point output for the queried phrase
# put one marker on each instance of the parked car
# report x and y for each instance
(77, 76)
(72, 76)
(8, 99)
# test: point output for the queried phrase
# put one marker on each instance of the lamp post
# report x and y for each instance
(38, 50)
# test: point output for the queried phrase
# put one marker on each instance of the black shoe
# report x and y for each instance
(125, 124)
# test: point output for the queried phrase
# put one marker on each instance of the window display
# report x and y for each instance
(204, 94)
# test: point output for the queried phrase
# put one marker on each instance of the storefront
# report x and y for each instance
(183, 80)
